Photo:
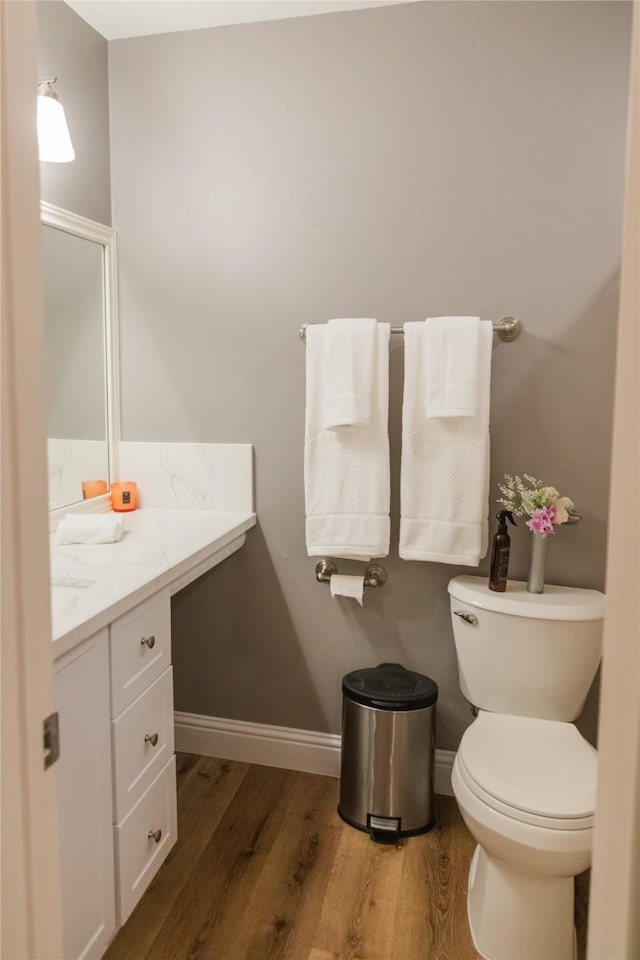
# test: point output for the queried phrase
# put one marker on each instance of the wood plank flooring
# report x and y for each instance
(264, 869)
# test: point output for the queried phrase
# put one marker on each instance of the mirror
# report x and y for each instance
(80, 328)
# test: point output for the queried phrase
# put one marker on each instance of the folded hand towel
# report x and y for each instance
(90, 528)
(349, 359)
(444, 474)
(452, 366)
(346, 473)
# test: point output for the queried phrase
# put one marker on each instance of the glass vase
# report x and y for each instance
(535, 583)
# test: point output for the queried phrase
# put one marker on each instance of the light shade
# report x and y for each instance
(54, 142)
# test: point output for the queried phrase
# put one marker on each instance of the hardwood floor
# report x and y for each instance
(264, 868)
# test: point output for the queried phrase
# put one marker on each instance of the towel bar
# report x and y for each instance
(507, 329)
(374, 576)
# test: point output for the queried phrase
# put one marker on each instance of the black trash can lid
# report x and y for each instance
(390, 687)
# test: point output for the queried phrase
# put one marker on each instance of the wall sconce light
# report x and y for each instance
(54, 142)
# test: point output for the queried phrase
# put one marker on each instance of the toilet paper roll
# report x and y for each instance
(345, 586)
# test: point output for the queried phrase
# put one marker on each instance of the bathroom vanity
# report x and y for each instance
(111, 603)
(112, 634)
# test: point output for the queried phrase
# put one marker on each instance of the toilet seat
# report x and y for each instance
(540, 772)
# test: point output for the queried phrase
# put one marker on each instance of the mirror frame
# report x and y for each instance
(73, 223)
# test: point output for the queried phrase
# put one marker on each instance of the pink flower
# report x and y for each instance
(542, 520)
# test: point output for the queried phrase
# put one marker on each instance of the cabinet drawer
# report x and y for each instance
(144, 838)
(140, 649)
(142, 743)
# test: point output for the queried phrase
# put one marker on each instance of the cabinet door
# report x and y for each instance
(88, 892)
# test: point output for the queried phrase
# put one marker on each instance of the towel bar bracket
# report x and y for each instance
(325, 569)
(375, 575)
(507, 329)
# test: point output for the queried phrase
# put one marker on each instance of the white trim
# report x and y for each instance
(614, 919)
(31, 907)
(442, 775)
(73, 223)
(106, 236)
(287, 747)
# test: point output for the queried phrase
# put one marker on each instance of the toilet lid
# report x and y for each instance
(533, 769)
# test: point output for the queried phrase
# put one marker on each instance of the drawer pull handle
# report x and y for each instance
(151, 738)
(155, 835)
(149, 642)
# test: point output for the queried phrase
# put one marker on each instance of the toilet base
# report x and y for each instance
(518, 917)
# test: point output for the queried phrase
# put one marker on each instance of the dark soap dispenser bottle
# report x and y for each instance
(500, 553)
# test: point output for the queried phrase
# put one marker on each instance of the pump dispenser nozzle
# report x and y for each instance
(500, 516)
(500, 552)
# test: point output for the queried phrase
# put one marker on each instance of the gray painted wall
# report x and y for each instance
(72, 51)
(401, 162)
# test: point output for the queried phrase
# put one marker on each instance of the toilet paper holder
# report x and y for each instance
(374, 576)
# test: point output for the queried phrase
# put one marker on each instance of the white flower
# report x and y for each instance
(527, 496)
(562, 507)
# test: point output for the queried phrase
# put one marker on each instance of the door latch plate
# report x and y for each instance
(51, 740)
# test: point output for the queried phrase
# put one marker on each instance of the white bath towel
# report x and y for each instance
(444, 474)
(90, 528)
(452, 366)
(346, 473)
(349, 359)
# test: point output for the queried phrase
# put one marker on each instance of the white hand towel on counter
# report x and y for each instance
(444, 474)
(90, 528)
(452, 366)
(349, 361)
(346, 473)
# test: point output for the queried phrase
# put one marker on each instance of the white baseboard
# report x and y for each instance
(304, 750)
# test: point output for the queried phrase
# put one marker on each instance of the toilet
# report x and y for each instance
(524, 777)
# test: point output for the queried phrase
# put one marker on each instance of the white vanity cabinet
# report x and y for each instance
(114, 686)
(84, 778)
(144, 772)
(117, 771)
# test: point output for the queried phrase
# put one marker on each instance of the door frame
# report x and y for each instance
(31, 907)
(614, 913)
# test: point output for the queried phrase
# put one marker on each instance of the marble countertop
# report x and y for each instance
(92, 585)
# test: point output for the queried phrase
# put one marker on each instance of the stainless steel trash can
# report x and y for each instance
(388, 748)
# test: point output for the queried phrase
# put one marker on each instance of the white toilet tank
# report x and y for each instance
(530, 655)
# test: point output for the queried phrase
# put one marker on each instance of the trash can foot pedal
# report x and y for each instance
(383, 829)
